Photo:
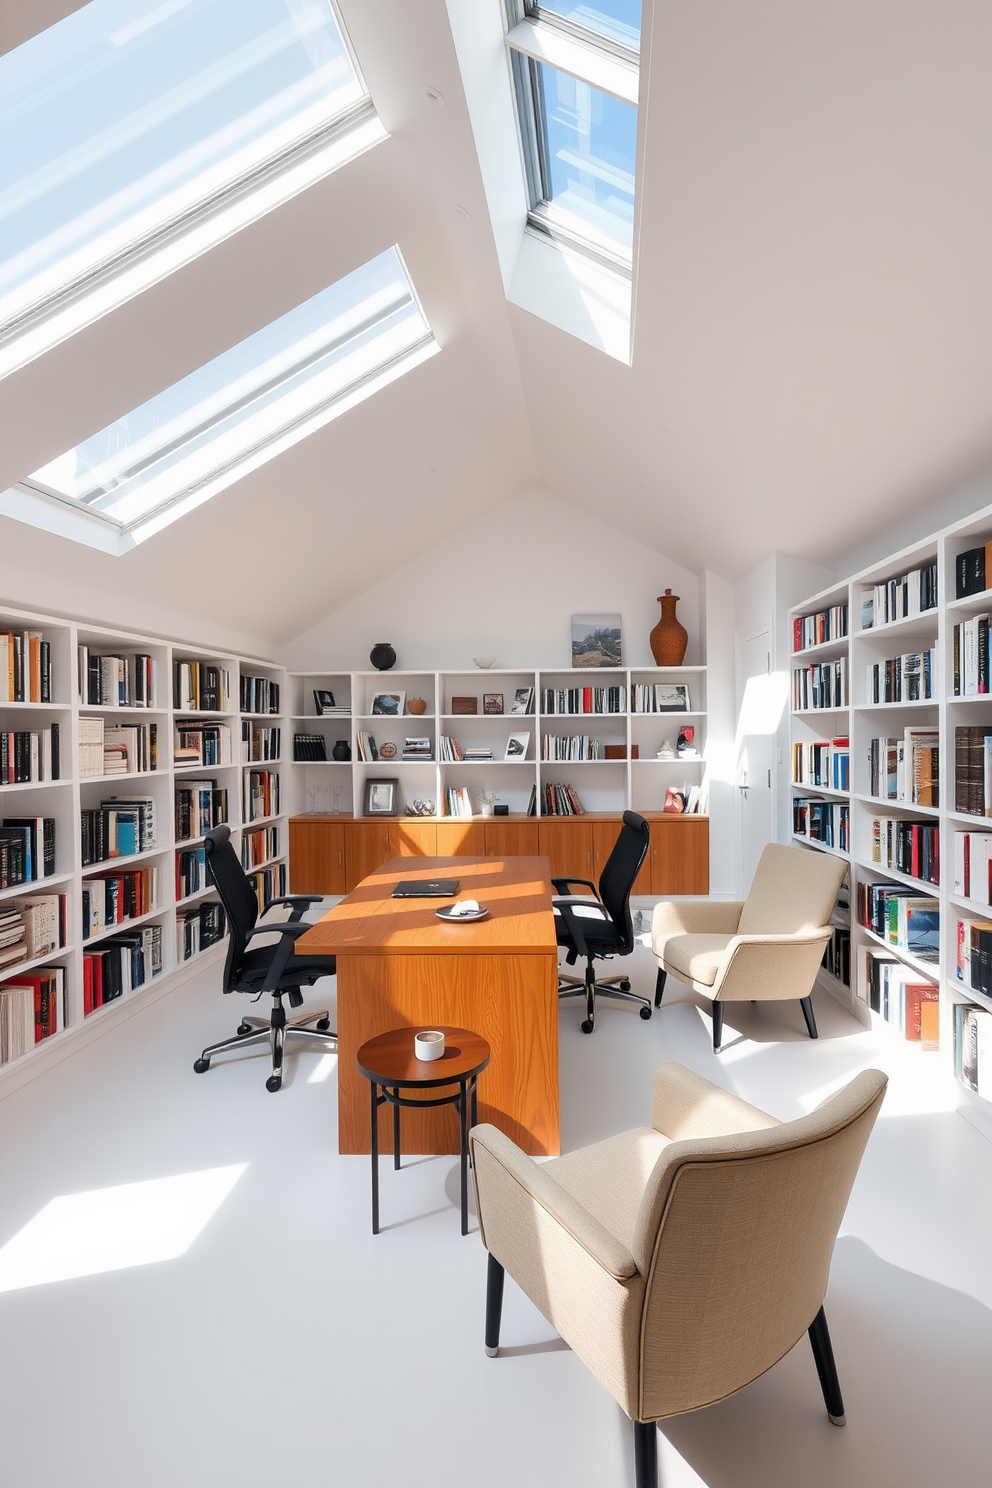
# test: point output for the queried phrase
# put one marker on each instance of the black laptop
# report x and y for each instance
(426, 888)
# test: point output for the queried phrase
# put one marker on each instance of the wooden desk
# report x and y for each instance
(400, 966)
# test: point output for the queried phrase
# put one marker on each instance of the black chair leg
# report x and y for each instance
(494, 1304)
(590, 1018)
(823, 1357)
(645, 1454)
(807, 1006)
(717, 1026)
(659, 986)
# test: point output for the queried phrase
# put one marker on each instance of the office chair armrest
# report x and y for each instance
(289, 932)
(564, 907)
(507, 1180)
(563, 885)
(684, 1105)
(303, 900)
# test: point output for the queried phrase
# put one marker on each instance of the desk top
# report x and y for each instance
(516, 891)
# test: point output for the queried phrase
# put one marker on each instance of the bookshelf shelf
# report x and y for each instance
(927, 969)
(900, 808)
(822, 648)
(121, 926)
(824, 847)
(106, 865)
(924, 889)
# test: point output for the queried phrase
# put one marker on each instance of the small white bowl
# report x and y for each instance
(429, 1044)
(484, 662)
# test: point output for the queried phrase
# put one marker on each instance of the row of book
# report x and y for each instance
(970, 657)
(368, 749)
(417, 747)
(32, 927)
(900, 598)
(814, 630)
(32, 1008)
(458, 801)
(200, 805)
(27, 850)
(579, 700)
(259, 695)
(451, 751)
(27, 755)
(259, 744)
(828, 822)
(201, 744)
(118, 828)
(898, 995)
(837, 954)
(268, 884)
(973, 954)
(127, 680)
(112, 898)
(821, 685)
(973, 769)
(309, 748)
(572, 747)
(898, 914)
(114, 749)
(260, 794)
(659, 697)
(191, 871)
(910, 678)
(972, 571)
(973, 1047)
(560, 800)
(905, 769)
(201, 687)
(911, 847)
(123, 963)
(199, 927)
(25, 667)
(972, 863)
(259, 847)
(826, 763)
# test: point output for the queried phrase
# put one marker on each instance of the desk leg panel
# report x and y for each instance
(510, 1000)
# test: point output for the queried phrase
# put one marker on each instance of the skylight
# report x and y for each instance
(247, 405)
(618, 21)
(132, 121)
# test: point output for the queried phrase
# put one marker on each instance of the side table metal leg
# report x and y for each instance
(396, 1130)
(463, 1161)
(475, 1100)
(375, 1158)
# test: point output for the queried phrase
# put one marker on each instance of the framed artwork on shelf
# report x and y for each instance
(523, 700)
(596, 641)
(388, 704)
(323, 701)
(516, 747)
(492, 702)
(465, 705)
(671, 699)
(381, 798)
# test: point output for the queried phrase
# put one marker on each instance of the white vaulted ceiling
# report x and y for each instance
(812, 326)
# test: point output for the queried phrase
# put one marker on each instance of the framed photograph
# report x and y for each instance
(523, 700)
(465, 705)
(516, 747)
(492, 702)
(382, 797)
(596, 641)
(388, 704)
(323, 701)
(671, 699)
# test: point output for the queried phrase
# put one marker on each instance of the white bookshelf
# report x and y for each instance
(861, 720)
(66, 797)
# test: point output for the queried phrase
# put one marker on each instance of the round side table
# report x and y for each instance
(390, 1065)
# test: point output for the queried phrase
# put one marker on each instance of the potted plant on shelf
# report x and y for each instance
(488, 799)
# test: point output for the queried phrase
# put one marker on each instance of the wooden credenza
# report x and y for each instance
(333, 854)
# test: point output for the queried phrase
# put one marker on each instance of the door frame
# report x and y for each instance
(762, 626)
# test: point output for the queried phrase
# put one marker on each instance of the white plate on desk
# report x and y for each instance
(461, 919)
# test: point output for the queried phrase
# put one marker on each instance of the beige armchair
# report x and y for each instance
(683, 1259)
(768, 947)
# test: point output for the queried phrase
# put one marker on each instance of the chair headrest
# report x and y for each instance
(216, 837)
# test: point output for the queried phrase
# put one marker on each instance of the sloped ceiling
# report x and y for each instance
(812, 328)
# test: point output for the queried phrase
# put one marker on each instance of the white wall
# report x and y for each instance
(718, 612)
(507, 584)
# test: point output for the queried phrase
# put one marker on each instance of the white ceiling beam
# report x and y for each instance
(589, 63)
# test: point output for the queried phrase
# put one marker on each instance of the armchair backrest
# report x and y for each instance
(793, 889)
(734, 1239)
(621, 868)
(236, 895)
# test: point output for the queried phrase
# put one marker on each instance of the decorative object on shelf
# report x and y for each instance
(671, 699)
(684, 746)
(501, 810)
(669, 638)
(674, 801)
(313, 795)
(422, 806)
(336, 793)
(388, 704)
(516, 747)
(341, 751)
(387, 750)
(596, 641)
(488, 800)
(323, 701)
(492, 702)
(484, 662)
(523, 701)
(416, 706)
(381, 797)
(382, 656)
(615, 751)
(666, 752)
(429, 1044)
(464, 705)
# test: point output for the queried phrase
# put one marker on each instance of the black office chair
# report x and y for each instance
(270, 968)
(600, 927)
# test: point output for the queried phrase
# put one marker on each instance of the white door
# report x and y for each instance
(757, 723)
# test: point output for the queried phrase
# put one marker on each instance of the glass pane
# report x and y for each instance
(617, 20)
(591, 143)
(124, 115)
(245, 398)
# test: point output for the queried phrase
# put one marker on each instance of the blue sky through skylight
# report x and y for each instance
(592, 141)
(616, 20)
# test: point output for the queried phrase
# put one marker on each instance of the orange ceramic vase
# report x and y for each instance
(668, 639)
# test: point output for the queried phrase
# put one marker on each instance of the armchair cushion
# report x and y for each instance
(697, 958)
(609, 1178)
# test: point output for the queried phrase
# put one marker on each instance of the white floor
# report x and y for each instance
(247, 1329)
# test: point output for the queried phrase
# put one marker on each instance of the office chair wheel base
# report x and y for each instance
(244, 1028)
(624, 986)
(587, 1025)
(201, 1066)
(323, 1024)
(273, 1083)
(646, 1013)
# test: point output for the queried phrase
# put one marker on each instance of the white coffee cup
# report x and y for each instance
(429, 1044)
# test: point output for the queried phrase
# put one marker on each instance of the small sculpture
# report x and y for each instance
(422, 806)
(387, 750)
(382, 656)
(666, 751)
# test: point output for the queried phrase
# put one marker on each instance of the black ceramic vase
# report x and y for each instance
(382, 656)
(341, 750)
